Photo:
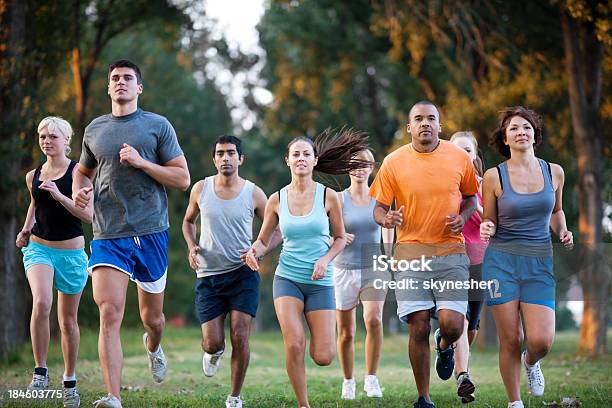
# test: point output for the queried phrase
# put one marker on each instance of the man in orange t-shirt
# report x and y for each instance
(433, 185)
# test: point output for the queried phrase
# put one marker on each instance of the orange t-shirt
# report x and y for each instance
(430, 186)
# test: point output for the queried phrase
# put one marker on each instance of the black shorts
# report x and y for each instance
(475, 297)
(218, 294)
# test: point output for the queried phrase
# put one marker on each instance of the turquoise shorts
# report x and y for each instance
(528, 279)
(69, 265)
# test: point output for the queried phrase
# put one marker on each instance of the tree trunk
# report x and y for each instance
(79, 98)
(584, 56)
(13, 293)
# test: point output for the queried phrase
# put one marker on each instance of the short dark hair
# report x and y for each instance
(228, 139)
(123, 63)
(423, 102)
(499, 135)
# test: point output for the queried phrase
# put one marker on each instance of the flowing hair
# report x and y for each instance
(336, 150)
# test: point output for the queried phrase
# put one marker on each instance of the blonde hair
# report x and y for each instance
(368, 154)
(478, 162)
(57, 125)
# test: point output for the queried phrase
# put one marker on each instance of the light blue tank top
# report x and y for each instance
(305, 240)
(359, 221)
(523, 219)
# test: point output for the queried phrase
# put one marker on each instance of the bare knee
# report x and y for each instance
(212, 346)
(295, 348)
(511, 342)
(346, 336)
(68, 325)
(240, 338)
(153, 322)
(42, 308)
(110, 315)
(451, 331)
(420, 329)
(372, 323)
(539, 346)
(323, 357)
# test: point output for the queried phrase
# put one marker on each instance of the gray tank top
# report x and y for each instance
(523, 219)
(360, 222)
(227, 227)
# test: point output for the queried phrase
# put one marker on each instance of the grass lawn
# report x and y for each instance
(267, 385)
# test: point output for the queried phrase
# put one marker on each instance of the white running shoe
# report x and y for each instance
(535, 378)
(39, 382)
(516, 404)
(211, 362)
(233, 402)
(371, 387)
(348, 389)
(72, 399)
(157, 361)
(110, 401)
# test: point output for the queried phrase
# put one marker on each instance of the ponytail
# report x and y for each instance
(336, 150)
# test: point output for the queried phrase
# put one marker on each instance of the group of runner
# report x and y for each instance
(431, 193)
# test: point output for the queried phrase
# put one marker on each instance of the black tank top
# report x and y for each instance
(53, 221)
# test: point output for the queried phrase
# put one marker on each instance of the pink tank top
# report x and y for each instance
(475, 248)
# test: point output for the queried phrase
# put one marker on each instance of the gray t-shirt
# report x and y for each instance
(127, 201)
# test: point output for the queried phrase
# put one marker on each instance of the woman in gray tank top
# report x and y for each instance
(522, 202)
(354, 278)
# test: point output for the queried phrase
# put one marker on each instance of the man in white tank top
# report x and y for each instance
(226, 204)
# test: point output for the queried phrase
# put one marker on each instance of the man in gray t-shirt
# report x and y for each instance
(131, 156)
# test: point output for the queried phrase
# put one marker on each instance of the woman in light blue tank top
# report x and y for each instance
(354, 280)
(522, 202)
(303, 284)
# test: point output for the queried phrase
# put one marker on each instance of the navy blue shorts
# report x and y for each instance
(144, 259)
(314, 297)
(218, 294)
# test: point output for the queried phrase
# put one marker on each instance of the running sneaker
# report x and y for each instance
(465, 388)
(348, 389)
(233, 402)
(72, 399)
(535, 378)
(110, 401)
(445, 359)
(211, 362)
(516, 404)
(372, 387)
(423, 403)
(157, 361)
(39, 382)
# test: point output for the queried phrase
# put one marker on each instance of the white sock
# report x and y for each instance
(70, 377)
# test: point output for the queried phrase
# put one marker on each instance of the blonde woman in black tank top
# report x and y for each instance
(53, 246)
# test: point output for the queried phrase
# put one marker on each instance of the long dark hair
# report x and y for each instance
(499, 135)
(336, 150)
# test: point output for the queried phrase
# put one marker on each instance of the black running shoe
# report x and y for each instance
(445, 359)
(423, 403)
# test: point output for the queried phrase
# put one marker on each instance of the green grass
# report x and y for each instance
(267, 385)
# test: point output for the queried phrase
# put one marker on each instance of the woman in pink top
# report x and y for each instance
(475, 249)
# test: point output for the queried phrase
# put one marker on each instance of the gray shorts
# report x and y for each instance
(441, 288)
(314, 296)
